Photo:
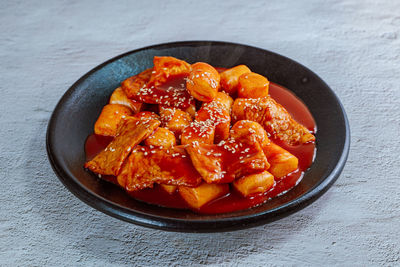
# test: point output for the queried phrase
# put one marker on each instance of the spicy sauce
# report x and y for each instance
(232, 201)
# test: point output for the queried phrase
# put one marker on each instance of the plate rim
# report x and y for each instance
(182, 225)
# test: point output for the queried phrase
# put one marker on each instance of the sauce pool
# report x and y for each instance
(232, 201)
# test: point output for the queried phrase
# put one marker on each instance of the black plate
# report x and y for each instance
(74, 116)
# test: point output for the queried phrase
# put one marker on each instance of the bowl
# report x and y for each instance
(75, 114)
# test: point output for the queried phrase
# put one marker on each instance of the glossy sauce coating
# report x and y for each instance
(233, 201)
(172, 93)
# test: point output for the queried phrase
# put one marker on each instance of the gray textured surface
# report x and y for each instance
(353, 45)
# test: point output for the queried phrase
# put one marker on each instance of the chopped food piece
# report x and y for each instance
(228, 160)
(174, 119)
(161, 138)
(167, 68)
(273, 117)
(146, 166)
(217, 115)
(167, 96)
(132, 85)
(197, 197)
(109, 119)
(251, 131)
(131, 132)
(225, 100)
(146, 115)
(282, 161)
(119, 97)
(207, 159)
(191, 110)
(200, 131)
(252, 85)
(230, 78)
(170, 189)
(169, 93)
(254, 184)
(203, 82)
(170, 96)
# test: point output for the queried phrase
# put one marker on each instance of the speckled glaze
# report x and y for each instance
(75, 114)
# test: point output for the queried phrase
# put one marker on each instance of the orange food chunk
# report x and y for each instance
(165, 96)
(254, 184)
(161, 138)
(197, 197)
(282, 161)
(146, 166)
(146, 115)
(167, 68)
(170, 189)
(109, 119)
(191, 110)
(217, 115)
(225, 100)
(252, 85)
(175, 119)
(230, 78)
(273, 117)
(131, 132)
(203, 82)
(200, 131)
(132, 85)
(141, 89)
(250, 130)
(228, 160)
(119, 97)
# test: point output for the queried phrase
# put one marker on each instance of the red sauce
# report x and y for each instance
(95, 144)
(232, 201)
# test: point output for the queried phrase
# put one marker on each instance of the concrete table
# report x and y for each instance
(353, 45)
